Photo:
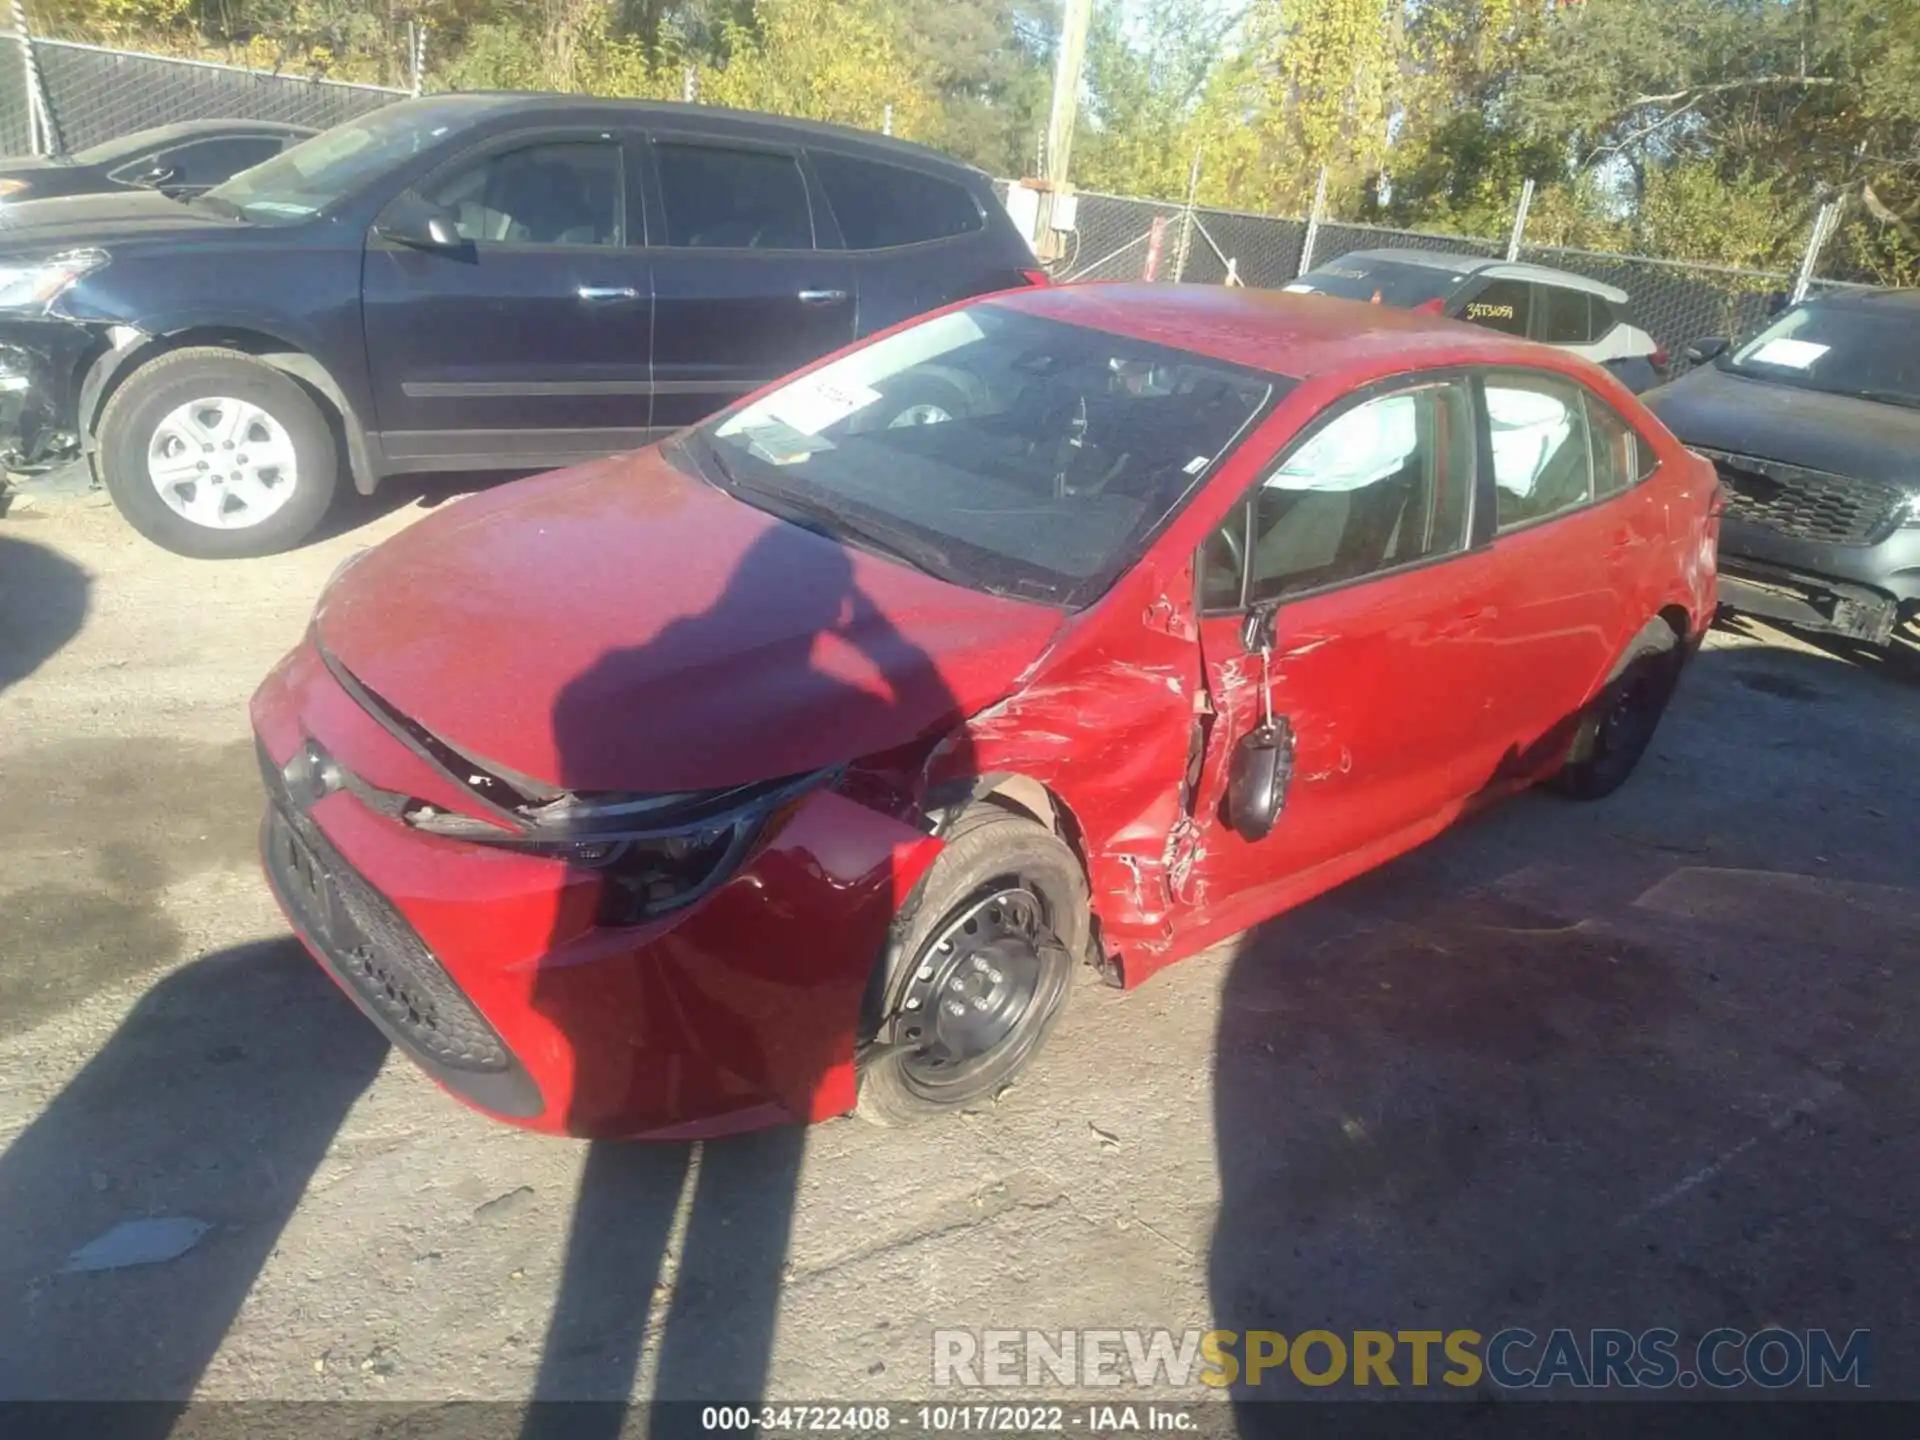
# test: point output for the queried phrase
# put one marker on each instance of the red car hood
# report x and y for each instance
(623, 626)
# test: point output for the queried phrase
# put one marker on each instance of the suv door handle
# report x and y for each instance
(606, 294)
(822, 297)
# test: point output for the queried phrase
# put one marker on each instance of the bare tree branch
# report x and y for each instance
(1694, 94)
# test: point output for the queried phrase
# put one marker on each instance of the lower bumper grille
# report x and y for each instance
(369, 946)
(1808, 504)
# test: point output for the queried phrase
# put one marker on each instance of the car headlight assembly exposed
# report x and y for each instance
(656, 853)
(33, 285)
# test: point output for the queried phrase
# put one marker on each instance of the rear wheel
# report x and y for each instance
(1620, 726)
(986, 955)
(212, 453)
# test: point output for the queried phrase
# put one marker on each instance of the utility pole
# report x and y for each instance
(1066, 105)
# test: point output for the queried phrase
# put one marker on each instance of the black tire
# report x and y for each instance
(160, 387)
(989, 851)
(1619, 726)
(919, 393)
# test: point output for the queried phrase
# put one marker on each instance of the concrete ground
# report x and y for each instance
(1650, 1062)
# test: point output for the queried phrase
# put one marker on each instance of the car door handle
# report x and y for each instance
(822, 297)
(606, 294)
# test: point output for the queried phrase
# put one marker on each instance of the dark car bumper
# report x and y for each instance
(41, 362)
(489, 968)
(1856, 590)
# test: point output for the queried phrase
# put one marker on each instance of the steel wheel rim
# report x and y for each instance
(925, 414)
(222, 463)
(977, 989)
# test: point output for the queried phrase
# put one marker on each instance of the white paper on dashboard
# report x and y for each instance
(1791, 354)
(811, 408)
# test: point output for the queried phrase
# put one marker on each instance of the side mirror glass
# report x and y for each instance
(421, 224)
(1701, 351)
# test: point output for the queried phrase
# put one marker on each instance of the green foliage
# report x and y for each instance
(1692, 129)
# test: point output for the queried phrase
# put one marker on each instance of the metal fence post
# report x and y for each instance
(886, 119)
(689, 85)
(1520, 222)
(416, 55)
(1824, 225)
(1313, 223)
(1185, 244)
(43, 137)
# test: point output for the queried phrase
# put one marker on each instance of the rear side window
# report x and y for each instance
(203, 162)
(1542, 463)
(1616, 450)
(1566, 316)
(1505, 305)
(881, 205)
(717, 197)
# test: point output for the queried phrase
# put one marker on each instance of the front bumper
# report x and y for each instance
(1856, 590)
(487, 967)
(41, 362)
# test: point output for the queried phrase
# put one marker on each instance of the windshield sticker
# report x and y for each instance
(1788, 354)
(812, 408)
(779, 443)
(1195, 465)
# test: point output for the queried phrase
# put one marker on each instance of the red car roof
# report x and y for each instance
(1288, 334)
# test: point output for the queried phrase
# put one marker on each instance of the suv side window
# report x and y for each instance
(879, 205)
(717, 197)
(1566, 315)
(203, 162)
(1505, 305)
(1383, 485)
(1542, 463)
(566, 193)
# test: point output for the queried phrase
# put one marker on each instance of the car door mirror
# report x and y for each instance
(413, 221)
(1258, 779)
(1701, 351)
(1257, 628)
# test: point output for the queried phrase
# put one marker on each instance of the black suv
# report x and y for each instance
(1814, 425)
(463, 282)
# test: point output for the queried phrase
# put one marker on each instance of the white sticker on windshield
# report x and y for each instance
(1195, 465)
(1790, 354)
(811, 408)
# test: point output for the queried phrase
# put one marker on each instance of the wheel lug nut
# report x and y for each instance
(979, 964)
(957, 985)
(954, 1007)
(979, 1002)
(995, 976)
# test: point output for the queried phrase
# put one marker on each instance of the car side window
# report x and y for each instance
(1542, 463)
(879, 205)
(717, 197)
(1621, 459)
(565, 193)
(1566, 315)
(1386, 484)
(1505, 305)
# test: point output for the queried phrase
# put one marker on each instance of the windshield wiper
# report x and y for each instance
(833, 523)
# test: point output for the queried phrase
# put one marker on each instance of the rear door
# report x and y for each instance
(1363, 534)
(529, 345)
(1568, 565)
(918, 239)
(748, 279)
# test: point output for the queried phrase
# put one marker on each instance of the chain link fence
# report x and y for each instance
(1114, 238)
(94, 94)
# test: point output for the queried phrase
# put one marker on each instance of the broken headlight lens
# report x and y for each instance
(34, 285)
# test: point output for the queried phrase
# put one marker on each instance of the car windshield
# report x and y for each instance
(1384, 282)
(996, 449)
(121, 147)
(317, 174)
(1841, 349)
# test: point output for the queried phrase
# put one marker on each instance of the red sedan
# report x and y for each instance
(792, 765)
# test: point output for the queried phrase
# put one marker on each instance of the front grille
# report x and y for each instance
(1808, 504)
(369, 945)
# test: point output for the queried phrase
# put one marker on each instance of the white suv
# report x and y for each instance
(1554, 307)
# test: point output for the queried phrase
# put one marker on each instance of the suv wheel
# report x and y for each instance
(213, 454)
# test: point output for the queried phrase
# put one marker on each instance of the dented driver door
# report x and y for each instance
(1360, 538)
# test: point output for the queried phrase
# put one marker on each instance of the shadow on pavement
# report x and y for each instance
(207, 1110)
(1639, 1063)
(43, 604)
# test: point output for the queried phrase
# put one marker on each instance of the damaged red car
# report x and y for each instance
(792, 766)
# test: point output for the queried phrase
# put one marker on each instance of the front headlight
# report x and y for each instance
(35, 284)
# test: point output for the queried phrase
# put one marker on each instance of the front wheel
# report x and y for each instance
(211, 453)
(986, 956)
